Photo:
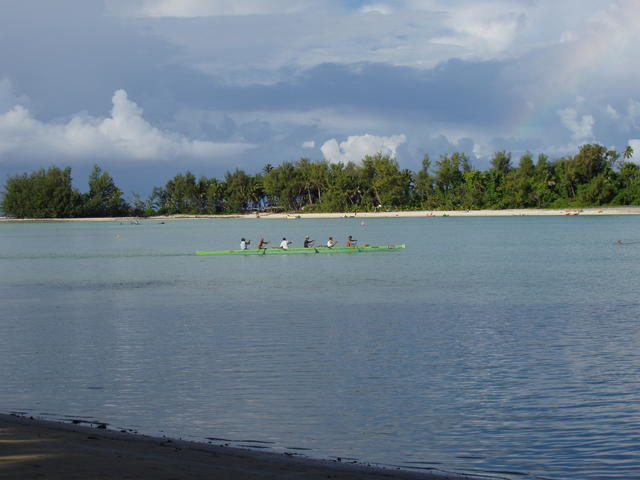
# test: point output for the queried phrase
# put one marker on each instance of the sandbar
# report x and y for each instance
(42, 449)
(515, 212)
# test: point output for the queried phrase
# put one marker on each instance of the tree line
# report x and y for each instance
(50, 194)
(595, 176)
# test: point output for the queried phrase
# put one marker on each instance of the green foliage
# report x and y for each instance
(157, 201)
(449, 180)
(501, 162)
(592, 177)
(599, 191)
(342, 189)
(628, 152)
(388, 186)
(285, 185)
(104, 198)
(182, 194)
(213, 191)
(628, 188)
(314, 177)
(42, 194)
(423, 184)
(241, 191)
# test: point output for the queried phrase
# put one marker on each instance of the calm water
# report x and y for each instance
(500, 346)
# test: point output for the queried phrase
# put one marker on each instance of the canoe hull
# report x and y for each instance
(305, 251)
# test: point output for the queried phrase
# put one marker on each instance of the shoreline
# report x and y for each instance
(36, 448)
(518, 212)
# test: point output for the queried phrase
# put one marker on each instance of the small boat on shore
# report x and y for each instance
(310, 250)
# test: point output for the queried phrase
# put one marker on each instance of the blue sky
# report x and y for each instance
(150, 88)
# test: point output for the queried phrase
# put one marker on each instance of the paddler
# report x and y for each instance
(331, 242)
(308, 242)
(244, 243)
(351, 242)
(263, 243)
(284, 244)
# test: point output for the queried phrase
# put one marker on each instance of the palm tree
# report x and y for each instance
(628, 152)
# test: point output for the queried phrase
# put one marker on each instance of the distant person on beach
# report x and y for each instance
(244, 243)
(308, 242)
(351, 242)
(263, 243)
(331, 242)
(284, 244)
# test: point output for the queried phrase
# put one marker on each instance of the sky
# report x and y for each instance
(147, 89)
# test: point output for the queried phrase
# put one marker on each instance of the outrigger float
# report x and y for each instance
(309, 250)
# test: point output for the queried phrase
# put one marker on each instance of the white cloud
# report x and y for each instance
(629, 118)
(487, 29)
(251, 41)
(567, 37)
(125, 134)
(484, 38)
(309, 144)
(355, 148)
(253, 48)
(378, 8)
(581, 129)
(478, 150)
(245, 50)
(587, 59)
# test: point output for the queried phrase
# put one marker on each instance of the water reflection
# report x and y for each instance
(505, 347)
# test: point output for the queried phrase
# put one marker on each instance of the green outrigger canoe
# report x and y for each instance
(289, 251)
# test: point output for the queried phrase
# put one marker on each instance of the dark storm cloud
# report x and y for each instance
(67, 56)
(456, 91)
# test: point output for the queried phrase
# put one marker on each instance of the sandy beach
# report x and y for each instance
(522, 212)
(40, 449)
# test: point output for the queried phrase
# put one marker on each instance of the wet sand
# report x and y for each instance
(40, 449)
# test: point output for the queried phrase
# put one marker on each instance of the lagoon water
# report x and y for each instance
(506, 347)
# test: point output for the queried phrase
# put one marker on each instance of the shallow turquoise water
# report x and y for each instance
(498, 346)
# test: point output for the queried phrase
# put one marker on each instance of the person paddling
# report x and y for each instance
(308, 242)
(263, 243)
(284, 244)
(351, 242)
(244, 243)
(331, 242)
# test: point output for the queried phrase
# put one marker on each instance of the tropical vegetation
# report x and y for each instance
(594, 176)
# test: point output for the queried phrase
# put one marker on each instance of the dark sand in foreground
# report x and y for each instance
(39, 449)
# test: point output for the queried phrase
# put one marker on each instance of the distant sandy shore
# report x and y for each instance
(520, 212)
(55, 451)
